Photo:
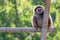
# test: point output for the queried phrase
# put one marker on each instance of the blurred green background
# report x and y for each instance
(18, 13)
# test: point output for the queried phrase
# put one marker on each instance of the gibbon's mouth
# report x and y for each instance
(39, 12)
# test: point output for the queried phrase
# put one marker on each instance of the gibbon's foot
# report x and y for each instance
(38, 28)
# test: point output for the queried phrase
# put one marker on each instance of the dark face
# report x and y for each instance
(39, 10)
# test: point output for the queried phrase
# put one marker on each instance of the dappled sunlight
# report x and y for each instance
(18, 13)
(13, 25)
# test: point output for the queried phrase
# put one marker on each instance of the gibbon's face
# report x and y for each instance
(39, 10)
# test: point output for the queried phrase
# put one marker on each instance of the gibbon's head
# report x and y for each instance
(39, 9)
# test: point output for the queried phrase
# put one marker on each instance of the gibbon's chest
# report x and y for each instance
(39, 20)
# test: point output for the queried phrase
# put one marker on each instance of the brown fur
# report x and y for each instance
(37, 19)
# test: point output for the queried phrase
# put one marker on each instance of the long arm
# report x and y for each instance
(50, 22)
(34, 22)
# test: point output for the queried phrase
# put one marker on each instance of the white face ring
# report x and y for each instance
(38, 11)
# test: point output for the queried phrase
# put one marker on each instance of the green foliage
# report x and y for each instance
(18, 13)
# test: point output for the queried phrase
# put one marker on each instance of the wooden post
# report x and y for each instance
(45, 20)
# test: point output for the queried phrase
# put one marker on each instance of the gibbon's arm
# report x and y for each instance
(34, 22)
(50, 22)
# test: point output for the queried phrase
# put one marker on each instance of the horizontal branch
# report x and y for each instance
(22, 29)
